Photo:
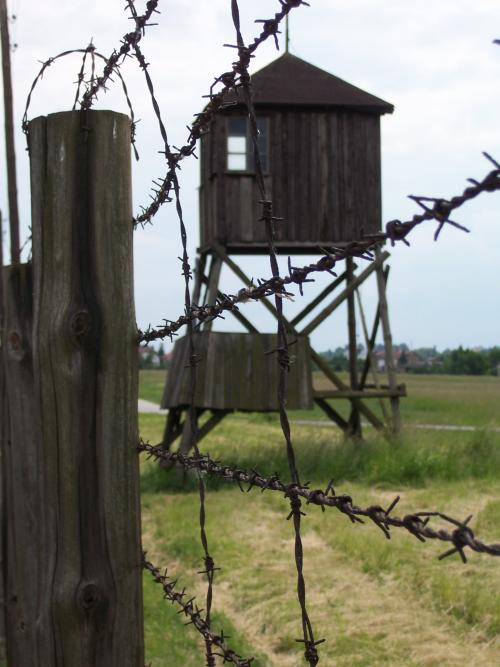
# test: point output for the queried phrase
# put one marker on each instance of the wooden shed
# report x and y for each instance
(238, 371)
(320, 144)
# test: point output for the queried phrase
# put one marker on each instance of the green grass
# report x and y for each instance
(377, 602)
(413, 459)
(151, 384)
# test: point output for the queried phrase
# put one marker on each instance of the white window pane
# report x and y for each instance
(236, 144)
(236, 162)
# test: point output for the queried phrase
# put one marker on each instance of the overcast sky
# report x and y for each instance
(437, 65)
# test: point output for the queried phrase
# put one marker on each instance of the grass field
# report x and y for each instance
(377, 602)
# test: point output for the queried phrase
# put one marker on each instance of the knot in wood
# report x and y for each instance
(89, 596)
(80, 324)
(15, 347)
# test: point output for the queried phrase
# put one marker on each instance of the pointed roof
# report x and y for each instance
(291, 81)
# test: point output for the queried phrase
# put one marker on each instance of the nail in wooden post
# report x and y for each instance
(85, 368)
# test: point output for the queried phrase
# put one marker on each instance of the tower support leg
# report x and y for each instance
(389, 351)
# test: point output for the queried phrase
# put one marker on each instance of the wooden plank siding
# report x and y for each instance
(236, 373)
(324, 179)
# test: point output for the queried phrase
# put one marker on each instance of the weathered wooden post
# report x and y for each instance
(88, 582)
(20, 470)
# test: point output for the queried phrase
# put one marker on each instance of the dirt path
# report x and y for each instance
(369, 620)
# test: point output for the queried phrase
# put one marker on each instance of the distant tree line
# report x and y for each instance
(464, 361)
(459, 361)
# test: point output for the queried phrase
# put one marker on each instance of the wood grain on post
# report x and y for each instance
(85, 368)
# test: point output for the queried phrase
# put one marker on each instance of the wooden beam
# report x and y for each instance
(215, 418)
(389, 351)
(212, 286)
(10, 150)
(242, 276)
(373, 336)
(319, 361)
(358, 393)
(331, 375)
(331, 413)
(354, 418)
(4, 436)
(369, 355)
(321, 297)
(85, 368)
(339, 299)
(199, 279)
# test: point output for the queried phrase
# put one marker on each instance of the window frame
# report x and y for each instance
(248, 146)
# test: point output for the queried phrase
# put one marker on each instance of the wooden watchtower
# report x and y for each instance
(320, 150)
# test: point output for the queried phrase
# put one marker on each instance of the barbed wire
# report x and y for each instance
(116, 58)
(282, 350)
(435, 208)
(90, 49)
(209, 562)
(191, 611)
(416, 523)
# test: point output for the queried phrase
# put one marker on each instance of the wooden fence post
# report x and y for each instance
(21, 435)
(85, 371)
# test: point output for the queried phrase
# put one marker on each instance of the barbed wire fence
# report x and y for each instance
(459, 536)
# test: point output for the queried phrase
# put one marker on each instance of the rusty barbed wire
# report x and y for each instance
(208, 560)
(283, 355)
(395, 231)
(416, 523)
(114, 61)
(90, 49)
(191, 611)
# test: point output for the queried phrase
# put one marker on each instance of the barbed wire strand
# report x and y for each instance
(209, 563)
(191, 611)
(283, 354)
(395, 231)
(416, 523)
(93, 53)
(116, 58)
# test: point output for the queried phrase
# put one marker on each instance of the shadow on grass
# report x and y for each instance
(412, 459)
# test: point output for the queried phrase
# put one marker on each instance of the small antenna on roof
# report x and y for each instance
(287, 35)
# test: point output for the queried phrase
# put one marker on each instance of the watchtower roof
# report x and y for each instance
(291, 81)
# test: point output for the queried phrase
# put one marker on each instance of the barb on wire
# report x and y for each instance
(191, 611)
(417, 523)
(395, 231)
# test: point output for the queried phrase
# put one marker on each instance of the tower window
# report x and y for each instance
(240, 154)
